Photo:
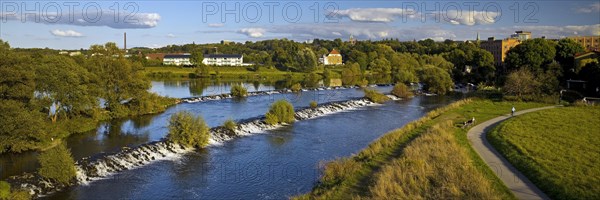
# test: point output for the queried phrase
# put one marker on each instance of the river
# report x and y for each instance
(274, 165)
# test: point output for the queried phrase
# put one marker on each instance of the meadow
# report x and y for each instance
(429, 158)
(557, 149)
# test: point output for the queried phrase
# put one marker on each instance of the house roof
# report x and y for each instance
(586, 53)
(334, 52)
(222, 55)
(177, 56)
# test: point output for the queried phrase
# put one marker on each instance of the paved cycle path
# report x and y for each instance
(520, 186)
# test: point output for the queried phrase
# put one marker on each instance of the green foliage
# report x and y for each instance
(375, 96)
(351, 75)
(281, 111)
(196, 58)
(566, 50)
(380, 66)
(296, 87)
(534, 54)
(436, 80)
(531, 142)
(22, 129)
(306, 60)
(4, 190)
(313, 104)
(238, 91)
(229, 124)
(402, 91)
(57, 164)
(20, 195)
(188, 130)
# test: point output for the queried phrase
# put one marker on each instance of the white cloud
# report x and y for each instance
(336, 33)
(253, 32)
(464, 17)
(66, 33)
(106, 18)
(216, 25)
(372, 14)
(171, 35)
(593, 8)
(384, 15)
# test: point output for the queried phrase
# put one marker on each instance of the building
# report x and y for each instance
(499, 48)
(590, 43)
(177, 59)
(521, 35)
(352, 40)
(333, 58)
(223, 59)
(582, 59)
(155, 56)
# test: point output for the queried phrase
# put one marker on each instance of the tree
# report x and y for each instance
(351, 75)
(238, 91)
(402, 91)
(380, 66)
(521, 82)
(65, 86)
(57, 164)
(22, 129)
(436, 80)
(118, 80)
(188, 130)
(534, 53)
(196, 58)
(281, 111)
(565, 52)
(306, 60)
(17, 76)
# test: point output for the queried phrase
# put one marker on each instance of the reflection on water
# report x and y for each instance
(205, 87)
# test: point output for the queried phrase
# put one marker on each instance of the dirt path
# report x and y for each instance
(520, 186)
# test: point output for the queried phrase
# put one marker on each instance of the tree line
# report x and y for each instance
(45, 96)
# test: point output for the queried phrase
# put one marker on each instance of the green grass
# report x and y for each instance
(557, 149)
(229, 72)
(355, 176)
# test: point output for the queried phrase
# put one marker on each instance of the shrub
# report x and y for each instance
(364, 83)
(313, 104)
(402, 91)
(4, 190)
(296, 87)
(20, 195)
(238, 91)
(281, 111)
(375, 96)
(57, 164)
(188, 130)
(230, 125)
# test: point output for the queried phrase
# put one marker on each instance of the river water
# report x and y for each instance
(274, 165)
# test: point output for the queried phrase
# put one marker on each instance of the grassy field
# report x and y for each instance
(429, 158)
(557, 149)
(223, 72)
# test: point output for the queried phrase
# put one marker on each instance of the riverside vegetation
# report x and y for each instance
(404, 163)
(281, 111)
(188, 130)
(557, 149)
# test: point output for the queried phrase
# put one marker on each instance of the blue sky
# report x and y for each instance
(74, 25)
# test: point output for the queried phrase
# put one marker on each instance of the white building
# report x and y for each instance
(223, 59)
(177, 59)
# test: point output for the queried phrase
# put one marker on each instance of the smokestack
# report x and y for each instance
(125, 41)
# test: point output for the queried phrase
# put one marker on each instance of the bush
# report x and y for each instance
(296, 87)
(281, 111)
(238, 91)
(20, 195)
(364, 83)
(230, 125)
(188, 130)
(402, 91)
(375, 96)
(313, 104)
(4, 190)
(57, 164)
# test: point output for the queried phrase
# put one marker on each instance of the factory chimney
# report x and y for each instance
(125, 41)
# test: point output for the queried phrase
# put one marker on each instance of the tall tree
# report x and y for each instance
(534, 53)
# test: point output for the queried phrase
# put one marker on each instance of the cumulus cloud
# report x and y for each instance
(372, 14)
(216, 25)
(593, 8)
(171, 35)
(66, 33)
(125, 20)
(464, 17)
(561, 31)
(253, 32)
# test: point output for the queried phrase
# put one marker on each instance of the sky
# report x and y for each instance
(157, 23)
